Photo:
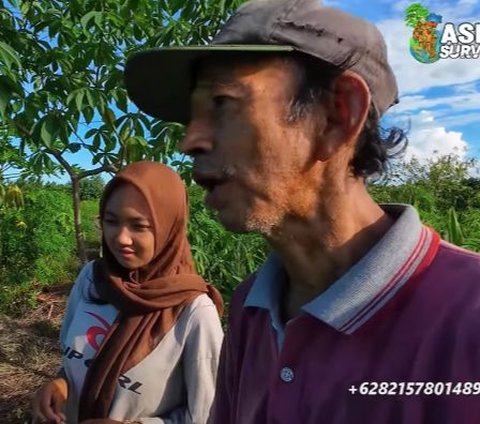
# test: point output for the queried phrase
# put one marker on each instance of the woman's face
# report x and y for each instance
(128, 227)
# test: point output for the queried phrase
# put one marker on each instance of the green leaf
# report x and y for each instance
(49, 130)
(91, 133)
(36, 162)
(120, 120)
(121, 101)
(138, 32)
(17, 107)
(25, 7)
(77, 97)
(79, 100)
(138, 141)
(53, 27)
(74, 147)
(158, 128)
(9, 85)
(95, 15)
(138, 128)
(112, 81)
(4, 101)
(221, 7)
(133, 5)
(90, 98)
(88, 114)
(134, 152)
(175, 5)
(125, 132)
(145, 121)
(109, 118)
(65, 132)
(8, 55)
(110, 143)
(96, 142)
(96, 159)
(48, 164)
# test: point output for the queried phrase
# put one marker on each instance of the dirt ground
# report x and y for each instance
(29, 354)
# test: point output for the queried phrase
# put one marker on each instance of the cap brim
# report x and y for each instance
(159, 80)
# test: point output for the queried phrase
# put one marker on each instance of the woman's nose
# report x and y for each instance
(123, 236)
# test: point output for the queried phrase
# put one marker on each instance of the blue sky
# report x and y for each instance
(439, 102)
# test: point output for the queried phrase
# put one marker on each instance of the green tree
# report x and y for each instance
(91, 188)
(447, 180)
(443, 191)
(61, 83)
(414, 13)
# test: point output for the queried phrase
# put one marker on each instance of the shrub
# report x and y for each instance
(36, 244)
(91, 188)
(90, 227)
(90, 224)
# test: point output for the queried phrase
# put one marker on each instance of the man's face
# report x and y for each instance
(255, 165)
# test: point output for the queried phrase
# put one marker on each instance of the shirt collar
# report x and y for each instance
(366, 287)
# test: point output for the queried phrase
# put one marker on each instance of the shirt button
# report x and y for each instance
(286, 374)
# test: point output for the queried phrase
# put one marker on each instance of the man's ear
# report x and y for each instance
(346, 110)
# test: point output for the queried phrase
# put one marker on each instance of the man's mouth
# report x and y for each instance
(207, 180)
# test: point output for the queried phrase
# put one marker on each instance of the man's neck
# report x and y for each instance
(317, 252)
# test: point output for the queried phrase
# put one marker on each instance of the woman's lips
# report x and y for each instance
(126, 253)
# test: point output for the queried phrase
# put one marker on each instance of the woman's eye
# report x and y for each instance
(110, 221)
(142, 226)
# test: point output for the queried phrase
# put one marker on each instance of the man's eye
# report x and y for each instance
(110, 221)
(220, 101)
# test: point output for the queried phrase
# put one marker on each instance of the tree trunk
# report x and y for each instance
(81, 250)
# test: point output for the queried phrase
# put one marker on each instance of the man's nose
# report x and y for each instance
(198, 138)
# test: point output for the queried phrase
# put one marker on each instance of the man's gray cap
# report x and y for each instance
(159, 80)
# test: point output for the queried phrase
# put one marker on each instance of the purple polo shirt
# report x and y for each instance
(409, 311)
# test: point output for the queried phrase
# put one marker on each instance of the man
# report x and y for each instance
(361, 314)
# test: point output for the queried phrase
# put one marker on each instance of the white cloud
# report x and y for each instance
(469, 88)
(458, 120)
(428, 139)
(463, 10)
(471, 3)
(453, 103)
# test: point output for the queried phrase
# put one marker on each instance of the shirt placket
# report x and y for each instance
(286, 384)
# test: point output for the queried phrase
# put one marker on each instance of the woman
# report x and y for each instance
(141, 334)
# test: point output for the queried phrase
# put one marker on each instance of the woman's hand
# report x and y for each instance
(49, 401)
